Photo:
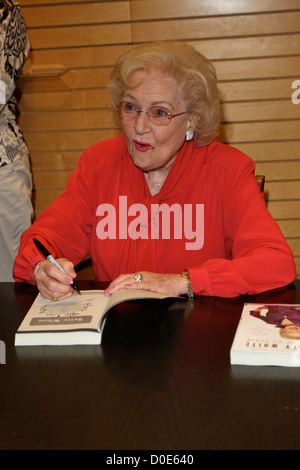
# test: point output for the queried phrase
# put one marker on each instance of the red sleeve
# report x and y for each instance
(259, 258)
(72, 215)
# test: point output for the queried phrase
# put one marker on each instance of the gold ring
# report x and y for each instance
(138, 277)
(54, 299)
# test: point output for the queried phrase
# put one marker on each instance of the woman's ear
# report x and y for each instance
(192, 122)
(191, 126)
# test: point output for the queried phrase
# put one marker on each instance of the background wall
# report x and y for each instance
(254, 45)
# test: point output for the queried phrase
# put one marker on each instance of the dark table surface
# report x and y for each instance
(161, 380)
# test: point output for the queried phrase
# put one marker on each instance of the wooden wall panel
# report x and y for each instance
(232, 26)
(254, 45)
(66, 120)
(67, 140)
(239, 48)
(75, 14)
(256, 68)
(164, 9)
(84, 35)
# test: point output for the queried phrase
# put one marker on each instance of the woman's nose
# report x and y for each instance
(141, 122)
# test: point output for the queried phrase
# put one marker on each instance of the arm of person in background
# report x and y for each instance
(14, 50)
(65, 230)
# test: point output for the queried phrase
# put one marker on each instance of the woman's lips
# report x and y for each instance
(142, 146)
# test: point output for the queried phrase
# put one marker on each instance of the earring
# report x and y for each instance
(189, 135)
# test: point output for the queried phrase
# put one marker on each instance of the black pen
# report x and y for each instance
(52, 260)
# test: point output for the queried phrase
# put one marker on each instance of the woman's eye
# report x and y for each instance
(129, 107)
(160, 112)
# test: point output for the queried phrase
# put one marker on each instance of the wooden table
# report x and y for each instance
(161, 380)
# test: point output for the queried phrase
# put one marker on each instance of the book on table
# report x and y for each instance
(267, 334)
(80, 319)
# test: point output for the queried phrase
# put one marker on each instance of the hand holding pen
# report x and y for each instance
(52, 286)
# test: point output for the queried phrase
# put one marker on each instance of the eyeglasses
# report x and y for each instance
(156, 114)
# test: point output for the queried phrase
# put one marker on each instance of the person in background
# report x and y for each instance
(164, 206)
(15, 177)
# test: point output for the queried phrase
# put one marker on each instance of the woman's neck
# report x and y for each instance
(156, 178)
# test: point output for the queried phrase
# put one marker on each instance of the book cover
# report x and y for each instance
(267, 334)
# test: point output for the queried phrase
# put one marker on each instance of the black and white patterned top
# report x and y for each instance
(14, 48)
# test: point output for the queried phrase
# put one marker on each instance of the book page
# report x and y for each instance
(77, 312)
(136, 294)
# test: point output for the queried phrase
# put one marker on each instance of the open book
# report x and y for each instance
(268, 334)
(79, 319)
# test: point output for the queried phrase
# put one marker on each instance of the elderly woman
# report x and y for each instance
(163, 204)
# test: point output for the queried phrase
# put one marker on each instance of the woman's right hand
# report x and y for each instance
(52, 283)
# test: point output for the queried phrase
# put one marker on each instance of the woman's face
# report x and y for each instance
(290, 330)
(153, 147)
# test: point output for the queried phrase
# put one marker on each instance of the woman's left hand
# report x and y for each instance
(169, 284)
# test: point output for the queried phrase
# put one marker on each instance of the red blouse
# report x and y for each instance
(209, 217)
